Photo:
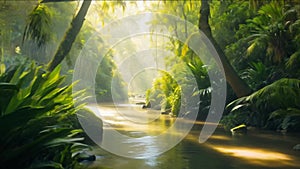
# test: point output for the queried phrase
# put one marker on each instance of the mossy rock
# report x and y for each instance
(239, 130)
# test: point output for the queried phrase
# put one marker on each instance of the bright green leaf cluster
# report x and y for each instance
(37, 120)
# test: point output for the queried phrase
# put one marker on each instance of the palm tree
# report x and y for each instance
(70, 36)
(239, 87)
(37, 32)
(38, 29)
(273, 31)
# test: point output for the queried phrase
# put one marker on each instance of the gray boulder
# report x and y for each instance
(296, 147)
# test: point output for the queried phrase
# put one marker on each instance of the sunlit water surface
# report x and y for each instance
(256, 150)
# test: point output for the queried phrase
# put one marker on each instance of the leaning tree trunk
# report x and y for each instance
(239, 87)
(70, 36)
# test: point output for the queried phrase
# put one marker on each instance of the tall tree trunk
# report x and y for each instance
(70, 36)
(239, 87)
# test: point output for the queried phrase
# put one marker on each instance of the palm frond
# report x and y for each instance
(275, 101)
(39, 25)
(294, 61)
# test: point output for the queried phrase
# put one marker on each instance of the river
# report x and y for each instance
(256, 150)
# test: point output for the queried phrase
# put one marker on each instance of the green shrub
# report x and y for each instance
(286, 119)
(165, 93)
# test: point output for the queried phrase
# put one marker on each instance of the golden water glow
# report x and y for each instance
(258, 156)
(253, 156)
(253, 153)
(220, 137)
(134, 119)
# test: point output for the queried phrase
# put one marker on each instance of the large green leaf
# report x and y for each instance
(274, 101)
(37, 119)
(7, 91)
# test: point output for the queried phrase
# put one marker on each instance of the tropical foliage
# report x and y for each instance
(273, 30)
(167, 90)
(165, 94)
(38, 27)
(262, 42)
(107, 72)
(269, 41)
(275, 106)
(39, 129)
(38, 124)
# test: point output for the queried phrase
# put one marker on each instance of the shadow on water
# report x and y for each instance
(256, 150)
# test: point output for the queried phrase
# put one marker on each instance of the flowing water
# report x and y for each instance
(256, 150)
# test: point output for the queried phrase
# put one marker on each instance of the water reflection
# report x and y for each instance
(256, 150)
(258, 156)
